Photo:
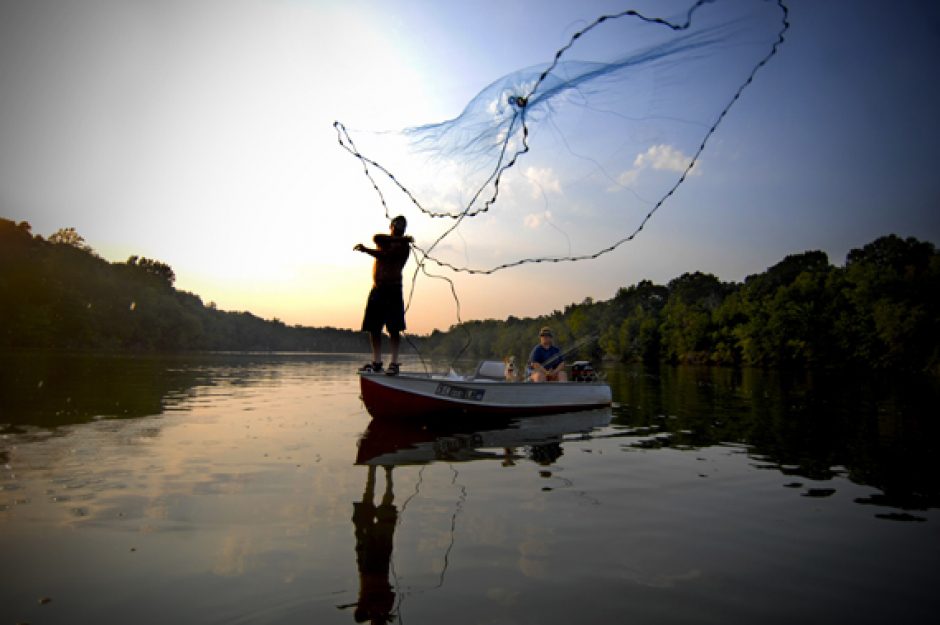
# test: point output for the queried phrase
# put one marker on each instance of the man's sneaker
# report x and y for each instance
(371, 367)
(393, 368)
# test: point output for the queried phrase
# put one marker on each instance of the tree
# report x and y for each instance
(154, 268)
(890, 312)
(69, 236)
(687, 327)
(785, 272)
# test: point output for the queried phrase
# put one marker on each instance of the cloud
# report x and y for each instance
(543, 180)
(661, 157)
(627, 178)
(534, 221)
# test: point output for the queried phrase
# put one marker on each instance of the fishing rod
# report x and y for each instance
(578, 345)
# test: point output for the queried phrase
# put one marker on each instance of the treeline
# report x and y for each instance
(879, 311)
(56, 293)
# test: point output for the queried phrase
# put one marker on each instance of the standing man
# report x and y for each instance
(386, 306)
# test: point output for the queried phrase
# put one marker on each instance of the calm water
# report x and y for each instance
(255, 489)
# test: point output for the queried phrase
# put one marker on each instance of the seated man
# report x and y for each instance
(546, 362)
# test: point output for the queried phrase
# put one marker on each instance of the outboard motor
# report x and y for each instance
(583, 371)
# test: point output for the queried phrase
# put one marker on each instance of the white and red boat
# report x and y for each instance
(484, 393)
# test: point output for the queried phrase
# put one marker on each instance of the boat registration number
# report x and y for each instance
(459, 392)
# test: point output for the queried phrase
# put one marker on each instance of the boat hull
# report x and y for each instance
(420, 396)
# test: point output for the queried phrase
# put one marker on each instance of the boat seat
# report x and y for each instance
(491, 370)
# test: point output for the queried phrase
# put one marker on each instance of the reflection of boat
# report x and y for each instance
(389, 443)
(484, 393)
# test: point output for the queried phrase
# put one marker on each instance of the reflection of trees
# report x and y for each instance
(545, 453)
(375, 529)
(878, 431)
(50, 390)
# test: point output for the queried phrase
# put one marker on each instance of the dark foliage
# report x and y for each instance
(58, 294)
(881, 311)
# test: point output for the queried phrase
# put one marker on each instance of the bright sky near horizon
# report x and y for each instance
(200, 133)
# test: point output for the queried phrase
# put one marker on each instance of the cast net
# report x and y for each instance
(570, 159)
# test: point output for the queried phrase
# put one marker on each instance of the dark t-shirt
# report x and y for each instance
(390, 258)
(542, 355)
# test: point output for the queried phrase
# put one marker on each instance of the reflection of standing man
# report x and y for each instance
(375, 529)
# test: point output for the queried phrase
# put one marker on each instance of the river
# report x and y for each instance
(254, 488)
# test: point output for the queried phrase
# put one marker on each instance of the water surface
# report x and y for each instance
(246, 488)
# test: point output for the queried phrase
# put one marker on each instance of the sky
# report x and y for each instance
(200, 133)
